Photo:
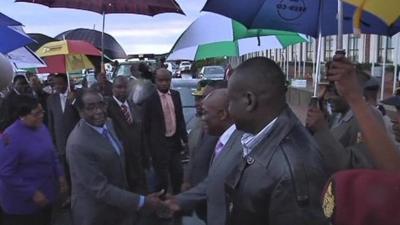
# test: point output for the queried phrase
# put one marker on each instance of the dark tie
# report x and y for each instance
(127, 115)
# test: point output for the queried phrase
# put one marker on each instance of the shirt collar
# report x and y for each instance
(346, 117)
(161, 94)
(120, 103)
(98, 129)
(65, 94)
(250, 141)
(223, 139)
(17, 92)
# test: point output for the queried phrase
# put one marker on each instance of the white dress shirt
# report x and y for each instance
(250, 141)
(63, 100)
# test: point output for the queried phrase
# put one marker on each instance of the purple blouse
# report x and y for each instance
(28, 162)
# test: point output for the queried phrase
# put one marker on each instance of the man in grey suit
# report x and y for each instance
(100, 193)
(227, 154)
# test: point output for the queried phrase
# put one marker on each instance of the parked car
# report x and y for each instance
(186, 87)
(185, 65)
(212, 72)
(124, 68)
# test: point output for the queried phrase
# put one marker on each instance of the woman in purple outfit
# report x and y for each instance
(30, 175)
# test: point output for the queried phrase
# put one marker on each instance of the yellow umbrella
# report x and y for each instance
(387, 10)
(67, 56)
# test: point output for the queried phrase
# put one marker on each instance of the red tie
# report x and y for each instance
(127, 115)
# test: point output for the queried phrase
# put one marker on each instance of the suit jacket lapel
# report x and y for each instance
(227, 148)
(57, 103)
(102, 141)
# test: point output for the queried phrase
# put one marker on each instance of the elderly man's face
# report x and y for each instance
(95, 110)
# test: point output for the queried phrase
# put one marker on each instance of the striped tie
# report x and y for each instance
(127, 115)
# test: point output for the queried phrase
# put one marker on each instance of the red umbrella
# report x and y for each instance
(144, 7)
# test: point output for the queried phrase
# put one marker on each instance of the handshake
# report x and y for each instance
(164, 207)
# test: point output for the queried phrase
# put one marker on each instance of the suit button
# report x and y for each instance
(250, 160)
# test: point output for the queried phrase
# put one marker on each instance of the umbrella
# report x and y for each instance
(40, 39)
(388, 11)
(212, 35)
(67, 56)
(7, 21)
(145, 7)
(303, 16)
(25, 58)
(112, 48)
(316, 18)
(12, 35)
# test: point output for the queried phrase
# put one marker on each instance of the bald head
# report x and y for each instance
(217, 98)
(261, 76)
(120, 88)
(215, 112)
(163, 80)
(256, 93)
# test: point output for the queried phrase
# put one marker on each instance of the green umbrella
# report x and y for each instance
(212, 35)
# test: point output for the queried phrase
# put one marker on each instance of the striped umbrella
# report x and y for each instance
(212, 35)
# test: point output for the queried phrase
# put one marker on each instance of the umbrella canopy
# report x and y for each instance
(7, 21)
(389, 11)
(301, 16)
(67, 56)
(12, 35)
(12, 39)
(112, 48)
(40, 39)
(67, 47)
(25, 58)
(233, 48)
(213, 35)
(145, 7)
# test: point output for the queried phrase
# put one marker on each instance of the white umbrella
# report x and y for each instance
(24, 58)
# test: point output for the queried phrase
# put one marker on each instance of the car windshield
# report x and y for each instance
(90, 78)
(213, 70)
(124, 70)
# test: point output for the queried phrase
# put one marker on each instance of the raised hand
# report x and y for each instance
(316, 120)
(344, 74)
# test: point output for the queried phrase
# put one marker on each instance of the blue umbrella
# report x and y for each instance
(7, 21)
(302, 16)
(12, 39)
(11, 35)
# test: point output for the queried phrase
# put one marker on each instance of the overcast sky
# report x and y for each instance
(136, 33)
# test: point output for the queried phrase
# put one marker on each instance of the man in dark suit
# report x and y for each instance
(62, 118)
(97, 163)
(8, 116)
(129, 130)
(227, 153)
(165, 131)
(103, 85)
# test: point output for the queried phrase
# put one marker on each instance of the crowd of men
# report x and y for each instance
(252, 162)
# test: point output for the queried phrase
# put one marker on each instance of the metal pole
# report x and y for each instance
(318, 65)
(287, 64)
(339, 44)
(396, 62)
(102, 42)
(295, 66)
(384, 69)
